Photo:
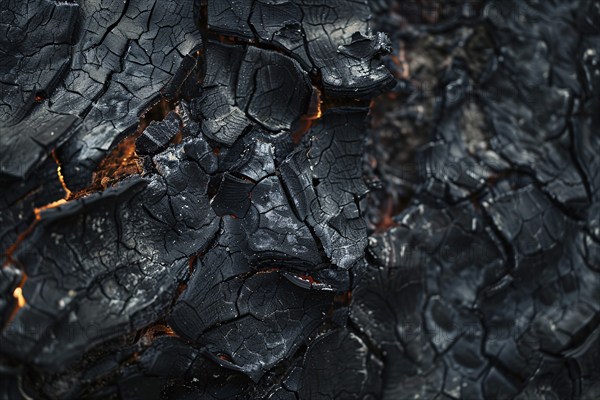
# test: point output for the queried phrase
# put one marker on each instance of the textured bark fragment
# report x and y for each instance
(333, 38)
(33, 61)
(325, 183)
(119, 254)
(114, 68)
(245, 321)
(222, 120)
(157, 135)
(272, 89)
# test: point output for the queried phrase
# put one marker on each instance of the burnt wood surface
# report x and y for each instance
(300, 199)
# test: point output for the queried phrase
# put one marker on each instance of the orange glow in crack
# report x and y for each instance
(61, 178)
(306, 122)
(18, 294)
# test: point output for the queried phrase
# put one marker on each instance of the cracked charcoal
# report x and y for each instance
(294, 199)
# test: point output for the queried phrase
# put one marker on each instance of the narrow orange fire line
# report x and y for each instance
(18, 292)
(315, 113)
(61, 178)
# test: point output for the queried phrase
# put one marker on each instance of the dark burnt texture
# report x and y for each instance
(300, 199)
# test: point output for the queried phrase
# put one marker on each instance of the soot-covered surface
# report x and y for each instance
(300, 199)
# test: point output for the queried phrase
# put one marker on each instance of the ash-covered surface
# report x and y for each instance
(300, 199)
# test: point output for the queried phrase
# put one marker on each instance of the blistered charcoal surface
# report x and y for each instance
(299, 199)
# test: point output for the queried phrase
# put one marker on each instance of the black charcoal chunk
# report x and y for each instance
(222, 120)
(33, 61)
(273, 89)
(157, 135)
(325, 187)
(230, 17)
(233, 197)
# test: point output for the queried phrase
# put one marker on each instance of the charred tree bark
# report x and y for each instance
(276, 199)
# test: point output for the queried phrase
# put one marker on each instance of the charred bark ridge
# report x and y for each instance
(273, 199)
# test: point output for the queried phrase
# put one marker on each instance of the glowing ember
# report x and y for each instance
(122, 161)
(54, 204)
(18, 294)
(315, 112)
